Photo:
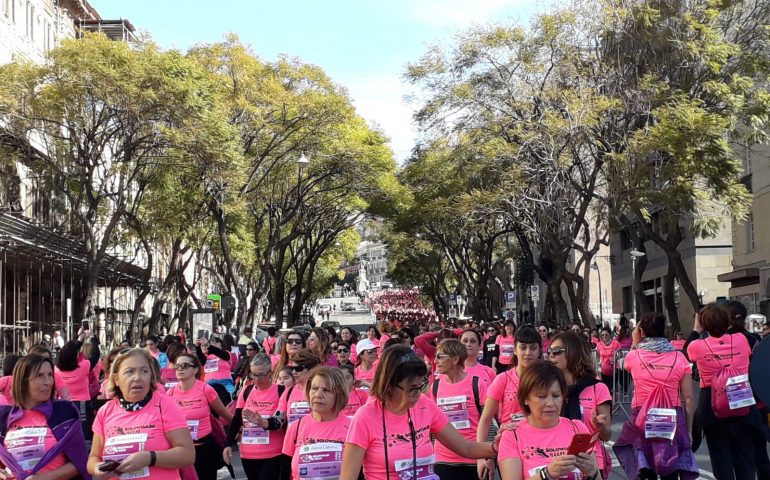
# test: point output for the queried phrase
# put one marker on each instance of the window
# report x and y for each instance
(746, 159)
(750, 233)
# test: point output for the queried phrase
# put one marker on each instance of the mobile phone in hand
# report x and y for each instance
(109, 466)
(582, 443)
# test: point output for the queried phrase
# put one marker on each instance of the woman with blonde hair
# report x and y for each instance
(139, 431)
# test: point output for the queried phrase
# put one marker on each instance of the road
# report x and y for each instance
(358, 319)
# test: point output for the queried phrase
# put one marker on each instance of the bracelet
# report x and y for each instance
(153, 458)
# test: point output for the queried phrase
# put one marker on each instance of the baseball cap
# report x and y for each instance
(365, 344)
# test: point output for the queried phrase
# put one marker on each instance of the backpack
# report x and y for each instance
(659, 404)
(474, 386)
(731, 394)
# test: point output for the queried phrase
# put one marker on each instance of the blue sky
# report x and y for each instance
(363, 45)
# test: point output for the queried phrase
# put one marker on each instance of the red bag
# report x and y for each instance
(731, 394)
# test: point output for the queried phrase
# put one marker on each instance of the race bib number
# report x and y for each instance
(739, 393)
(517, 417)
(506, 351)
(27, 445)
(121, 446)
(211, 366)
(298, 410)
(193, 425)
(424, 469)
(170, 385)
(456, 410)
(660, 423)
(320, 460)
(254, 435)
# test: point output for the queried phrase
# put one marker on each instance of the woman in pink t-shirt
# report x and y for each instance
(367, 363)
(216, 362)
(318, 343)
(662, 408)
(315, 442)
(293, 405)
(357, 397)
(537, 447)
(454, 393)
(606, 347)
(261, 436)
(506, 342)
(390, 436)
(730, 440)
(472, 341)
(75, 370)
(142, 430)
(295, 341)
(347, 334)
(502, 401)
(678, 341)
(587, 399)
(545, 337)
(197, 400)
(39, 428)
(62, 391)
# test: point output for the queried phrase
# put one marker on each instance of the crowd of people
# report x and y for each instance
(425, 401)
(399, 307)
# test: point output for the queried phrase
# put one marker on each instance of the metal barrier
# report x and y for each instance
(622, 384)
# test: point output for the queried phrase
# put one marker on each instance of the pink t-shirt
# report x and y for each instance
(607, 355)
(366, 431)
(126, 432)
(195, 404)
(457, 402)
(650, 369)
(485, 374)
(711, 354)
(315, 447)
(590, 399)
(168, 375)
(507, 349)
(366, 375)
(353, 354)
(77, 381)
(216, 369)
(293, 402)
(6, 388)
(504, 389)
(357, 398)
(536, 446)
(256, 443)
(29, 438)
(268, 344)
(62, 390)
(679, 344)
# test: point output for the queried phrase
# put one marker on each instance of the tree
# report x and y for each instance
(94, 122)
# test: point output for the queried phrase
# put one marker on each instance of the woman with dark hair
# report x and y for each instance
(141, 429)
(506, 343)
(544, 431)
(367, 362)
(295, 341)
(74, 369)
(62, 392)
(357, 397)
(109, 359)
(730, 438)
(197, 400)
(491, 350)
(586, 399)
(293, 404)
(343, 354)
(678, 341)
(41, 437)
(373, 334)
(545, 337)
(502, 402)
(347, 334)
(651, 443)
(168, 375)
(318, 343)
(472, 341)
(390, 436)
(152, 345)
(216, 362)
(606, 348)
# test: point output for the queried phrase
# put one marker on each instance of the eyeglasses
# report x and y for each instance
(259, 375)
(298, 368)
(250, 349)
(294, 341)
(443, 355)
(555, 352)
(183, 366)
(414, 390)
(342, 350)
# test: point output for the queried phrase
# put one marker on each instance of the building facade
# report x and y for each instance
(749, 276)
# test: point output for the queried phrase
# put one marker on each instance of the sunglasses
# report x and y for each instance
(491, 330)
(372, 351)
(250, 349)
(414, 390)
(543, 331)
(298, 368)
(342, 350)
(442, 355)
(555, 352)
(294, 341)
(183, 366)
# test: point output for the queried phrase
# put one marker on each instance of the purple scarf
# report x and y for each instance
(64, 422)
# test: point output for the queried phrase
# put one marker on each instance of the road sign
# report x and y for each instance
(215, 300)
(534, 292)
(510, 299)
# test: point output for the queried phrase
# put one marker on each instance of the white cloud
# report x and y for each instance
(379, 99)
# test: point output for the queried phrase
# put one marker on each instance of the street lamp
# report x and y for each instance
(595, 266)
(635, 254)
(302, 162)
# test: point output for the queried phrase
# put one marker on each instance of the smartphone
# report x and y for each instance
(108, 466)
(86, 326)
(582, 443)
